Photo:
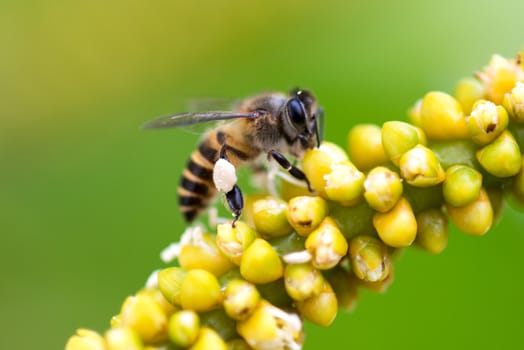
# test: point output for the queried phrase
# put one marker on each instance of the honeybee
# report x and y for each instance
(269, 123)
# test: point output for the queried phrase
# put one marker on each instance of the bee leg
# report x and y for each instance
(236, 203)
(222, 153)
(224, 173)
(234, 195)
(293, 170)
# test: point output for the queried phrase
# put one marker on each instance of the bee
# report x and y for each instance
(271, 124)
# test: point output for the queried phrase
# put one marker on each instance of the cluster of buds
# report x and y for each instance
(303, 256)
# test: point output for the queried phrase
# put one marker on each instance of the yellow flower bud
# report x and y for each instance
(146, 317)
(420, 167)
(269, 327)
(383, 188)
(365, 146)
(200, 291)
(369, 258)
(500, 76)
(317, 163)
(432, 234)
(486, 121)
(442, 117)
(467, 91)
(327, 245)
(302, 281)
(321, 308)
(261, 263)
(501, 157)
(398, 227)
(306, 213)
(184, 327)
(240, 299)
(122, 338)
(85, 339)
(398, 138)
(233, 241)
(475, 218)
(269, 217)
(462, 185)
(514, 103)
(205, 255)
(344, 184)
(208, 339)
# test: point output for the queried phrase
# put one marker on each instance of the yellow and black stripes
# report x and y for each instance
(231, 149)
(196, 188)
(196, 185)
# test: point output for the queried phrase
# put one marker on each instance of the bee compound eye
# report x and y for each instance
(296, 111)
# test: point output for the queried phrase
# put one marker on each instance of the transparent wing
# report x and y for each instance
(190, 118)
(212, 104)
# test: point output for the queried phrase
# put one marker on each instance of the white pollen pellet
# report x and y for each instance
(224, 175)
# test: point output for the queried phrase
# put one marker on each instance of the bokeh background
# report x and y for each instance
(87, 200)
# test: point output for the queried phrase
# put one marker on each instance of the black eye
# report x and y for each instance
(295, 111)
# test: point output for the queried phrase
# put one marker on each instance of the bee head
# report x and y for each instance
(300, 119)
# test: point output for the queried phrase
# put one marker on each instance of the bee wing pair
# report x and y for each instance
(191, 118)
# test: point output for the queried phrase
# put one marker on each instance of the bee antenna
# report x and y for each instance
(319, 125)
(317, 133)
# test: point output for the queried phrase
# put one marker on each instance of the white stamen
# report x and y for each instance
(171, 252)
(297, 257)
(371, 275)
(152, 280)
(192, 235)
(214, 219)
(289, 328)
(487, 108)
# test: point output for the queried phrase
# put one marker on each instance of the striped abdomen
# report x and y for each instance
(196, 188)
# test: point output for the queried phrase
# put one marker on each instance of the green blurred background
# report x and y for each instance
(87, 200)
